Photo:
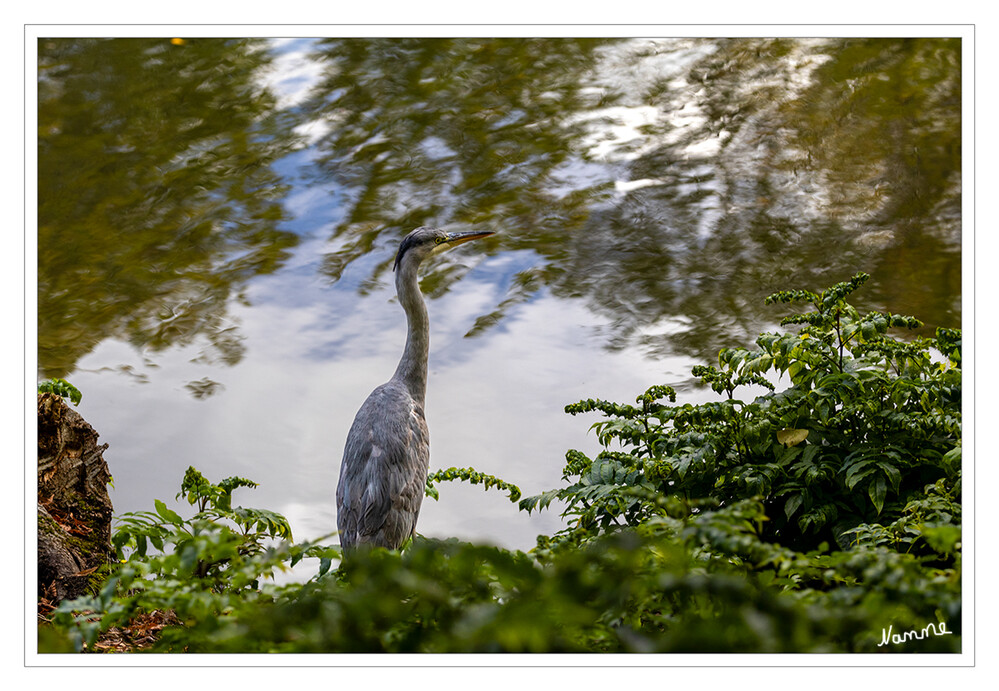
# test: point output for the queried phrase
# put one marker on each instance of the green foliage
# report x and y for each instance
(214, 501)
(198, 490)
(650, 590)
(202, 567)
(61, 387)
(862, 451)
(808, 519)
(867, 424)
(470, 475)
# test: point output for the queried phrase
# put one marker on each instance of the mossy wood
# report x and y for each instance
(74, 509)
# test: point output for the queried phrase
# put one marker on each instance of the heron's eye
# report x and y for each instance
(439, 239)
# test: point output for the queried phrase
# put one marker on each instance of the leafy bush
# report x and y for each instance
(868, 424)
(861, 452)
(210, 564)
(804, 520)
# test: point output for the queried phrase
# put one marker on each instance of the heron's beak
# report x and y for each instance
(455, 239)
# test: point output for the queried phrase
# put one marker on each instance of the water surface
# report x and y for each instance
(218, 219)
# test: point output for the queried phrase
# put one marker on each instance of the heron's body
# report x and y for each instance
(378, 499)
(387, 454)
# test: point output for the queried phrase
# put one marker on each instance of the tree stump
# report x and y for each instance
(74, 509)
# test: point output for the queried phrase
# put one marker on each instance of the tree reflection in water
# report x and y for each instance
(670, 184)
(157, 202)
(757, 164)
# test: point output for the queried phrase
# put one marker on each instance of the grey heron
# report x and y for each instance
(387, 454)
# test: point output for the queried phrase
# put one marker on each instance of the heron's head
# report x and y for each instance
(423, 242)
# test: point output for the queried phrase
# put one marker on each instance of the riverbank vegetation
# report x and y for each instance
(814, 505)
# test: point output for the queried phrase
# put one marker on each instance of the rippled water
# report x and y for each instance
(218, 217)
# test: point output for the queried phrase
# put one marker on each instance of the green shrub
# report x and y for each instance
(867, 426)
(215, 563)
(808, 519)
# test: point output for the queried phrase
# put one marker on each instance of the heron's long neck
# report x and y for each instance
(412, 369)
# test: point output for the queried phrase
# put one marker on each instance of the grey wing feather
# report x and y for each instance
(384, 470)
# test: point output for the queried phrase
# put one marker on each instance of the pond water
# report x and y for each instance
(218, 220)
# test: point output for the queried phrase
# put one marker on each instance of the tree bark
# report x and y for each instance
(74, 509)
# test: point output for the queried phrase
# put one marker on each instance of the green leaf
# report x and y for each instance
(792, 504)
(809, 453)
(877, 490)
(952, 459)
(892, 473)
(166, 514)
(324, 565)
(858, 471)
